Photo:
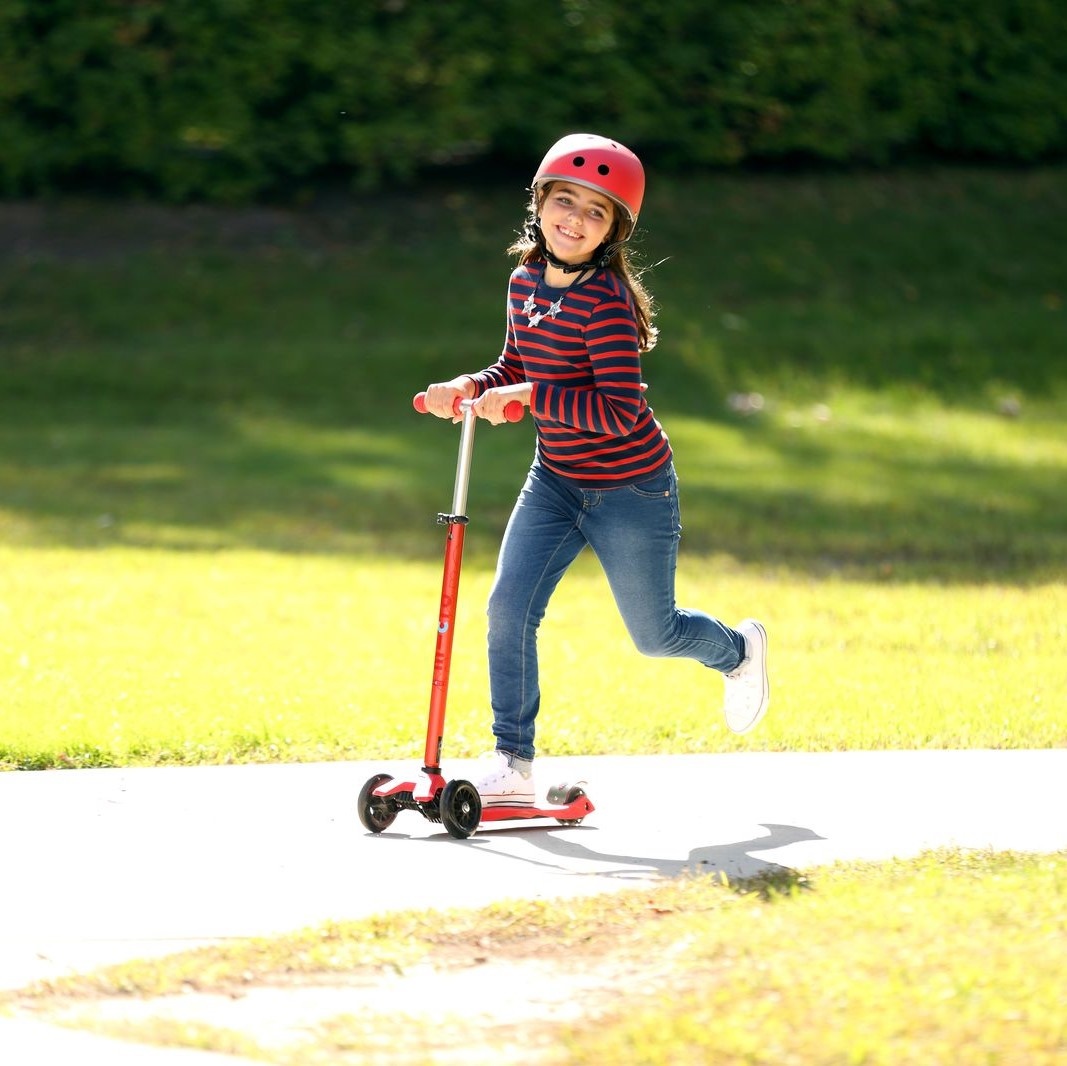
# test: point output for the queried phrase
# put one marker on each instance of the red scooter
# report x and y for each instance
(455, 804)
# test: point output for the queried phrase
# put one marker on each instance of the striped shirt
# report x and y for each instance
(577, 346)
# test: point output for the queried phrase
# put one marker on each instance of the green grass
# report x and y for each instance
(945, 959)
(148, 656)
(952, 956)
(213, 380)
(216, 505)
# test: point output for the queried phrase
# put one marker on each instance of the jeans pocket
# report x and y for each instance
(662, 485)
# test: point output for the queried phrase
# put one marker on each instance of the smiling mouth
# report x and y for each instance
(569, 233)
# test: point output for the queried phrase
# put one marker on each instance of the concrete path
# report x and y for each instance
(102, 866)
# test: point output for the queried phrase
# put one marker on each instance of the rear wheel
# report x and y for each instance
(567, 795)
(461, 809)
(376, 813)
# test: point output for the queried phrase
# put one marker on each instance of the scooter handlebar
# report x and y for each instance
(513, 410)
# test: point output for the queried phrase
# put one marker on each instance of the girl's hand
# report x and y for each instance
(441, 397)
(490, 405)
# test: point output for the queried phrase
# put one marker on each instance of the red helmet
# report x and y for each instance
(597, 163)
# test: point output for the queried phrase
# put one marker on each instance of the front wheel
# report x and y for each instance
(461, 809)
(376, 813)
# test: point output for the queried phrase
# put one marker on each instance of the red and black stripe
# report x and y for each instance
(593, 423)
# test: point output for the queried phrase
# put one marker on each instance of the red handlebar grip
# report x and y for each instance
(513, 410)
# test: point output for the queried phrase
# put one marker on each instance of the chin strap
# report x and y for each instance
(601, 257)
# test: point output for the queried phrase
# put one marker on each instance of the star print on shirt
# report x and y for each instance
(535, 317)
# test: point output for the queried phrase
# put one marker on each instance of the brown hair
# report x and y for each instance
(528, 250)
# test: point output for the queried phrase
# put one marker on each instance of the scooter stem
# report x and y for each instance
(442, 663)
(463, 462)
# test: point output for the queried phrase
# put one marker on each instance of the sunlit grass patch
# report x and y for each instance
(135, 656)
(953, 956)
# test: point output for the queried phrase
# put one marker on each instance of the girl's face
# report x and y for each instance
(575, 221)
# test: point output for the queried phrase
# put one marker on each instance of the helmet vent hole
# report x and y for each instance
(579, 160)
(603, 169)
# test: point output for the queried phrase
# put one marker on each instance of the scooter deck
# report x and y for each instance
(566, 803)
(574, 811)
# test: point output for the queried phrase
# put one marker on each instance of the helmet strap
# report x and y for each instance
(601, 257)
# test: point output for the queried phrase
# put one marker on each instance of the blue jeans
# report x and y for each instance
(634, 531)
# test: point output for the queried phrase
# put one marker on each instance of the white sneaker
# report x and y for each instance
(747, 691)
(504, 786)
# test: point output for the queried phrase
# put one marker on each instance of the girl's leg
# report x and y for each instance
(635, 531)
(542, 539)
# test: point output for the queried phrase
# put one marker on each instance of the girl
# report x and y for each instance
(578, 320)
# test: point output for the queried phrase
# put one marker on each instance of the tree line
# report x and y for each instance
(230, 100)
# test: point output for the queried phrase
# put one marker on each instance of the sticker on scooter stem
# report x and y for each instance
(443, 627)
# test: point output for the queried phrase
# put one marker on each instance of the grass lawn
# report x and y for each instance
(216, 505)
(948, 957)
(139, 656)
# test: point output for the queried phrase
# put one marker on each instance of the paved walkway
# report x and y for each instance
(103, 866)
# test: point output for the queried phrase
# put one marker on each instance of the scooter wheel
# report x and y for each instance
(376, 813)
(564, 793)
(567, 795)
(460, 809)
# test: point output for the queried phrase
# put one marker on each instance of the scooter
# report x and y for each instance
(455, 804)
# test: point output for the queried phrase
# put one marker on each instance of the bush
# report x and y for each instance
(230, 99)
